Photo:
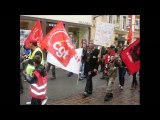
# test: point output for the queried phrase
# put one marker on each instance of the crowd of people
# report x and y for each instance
(111, 66)
(35, 72)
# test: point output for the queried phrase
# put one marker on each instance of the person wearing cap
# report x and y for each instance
(111, 72)
(35, 50)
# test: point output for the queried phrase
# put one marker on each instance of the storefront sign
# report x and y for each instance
(84, 22)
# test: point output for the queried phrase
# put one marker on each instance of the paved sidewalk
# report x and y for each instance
(120, 97)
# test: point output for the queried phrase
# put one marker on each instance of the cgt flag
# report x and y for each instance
(35, 34)
(58, 43)
(131, 56)
(73, 65)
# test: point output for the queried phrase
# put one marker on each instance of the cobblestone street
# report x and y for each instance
(121, 97)
(64, 91)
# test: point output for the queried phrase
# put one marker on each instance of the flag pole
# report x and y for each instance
(77, 79)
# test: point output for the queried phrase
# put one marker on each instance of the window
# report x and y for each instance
(118, 18)
(25, 28)
(74, 33)
(49, 26)
(27, 24)
(129, 23)
(110, 18)
(137, 26)
(124, 22)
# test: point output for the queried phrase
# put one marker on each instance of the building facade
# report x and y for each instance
(120, 30)
(135, 20)
(122, 25)
(77, 26)
(84, 26)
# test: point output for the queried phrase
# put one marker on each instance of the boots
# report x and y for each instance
(134, 84)
(108, 96)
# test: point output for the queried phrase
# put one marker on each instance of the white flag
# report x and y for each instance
(73, 66)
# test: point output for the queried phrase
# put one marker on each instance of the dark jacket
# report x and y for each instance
(103, 52)
(92, 59)
(84, 56)
(33, 79)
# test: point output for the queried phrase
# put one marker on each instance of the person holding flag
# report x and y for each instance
(131, 58)
(32, 41)
(122, 67)
(60, 49)
(35, 50)
(111, 72)
(36, 34)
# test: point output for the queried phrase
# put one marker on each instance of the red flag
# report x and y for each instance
(35, 34)
(131, 56)
(130, 35)
(58, 43)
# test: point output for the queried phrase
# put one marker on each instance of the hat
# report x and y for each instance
(33, 41)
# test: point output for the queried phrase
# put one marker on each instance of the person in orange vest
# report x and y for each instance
(38, 82)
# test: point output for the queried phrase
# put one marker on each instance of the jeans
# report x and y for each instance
(110, 85)
(134, 82)
(102, 66)
(122, 72)
(24, 65)
(53, 69)
(86, 69)
(21, 84)
(82, 70)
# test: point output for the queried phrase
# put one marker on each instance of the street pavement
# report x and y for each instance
(64, 90)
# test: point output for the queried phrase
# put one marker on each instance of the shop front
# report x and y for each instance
(76, 31)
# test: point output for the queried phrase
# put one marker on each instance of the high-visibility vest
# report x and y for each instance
(30, 68)
(31, 56)
(38, 90)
